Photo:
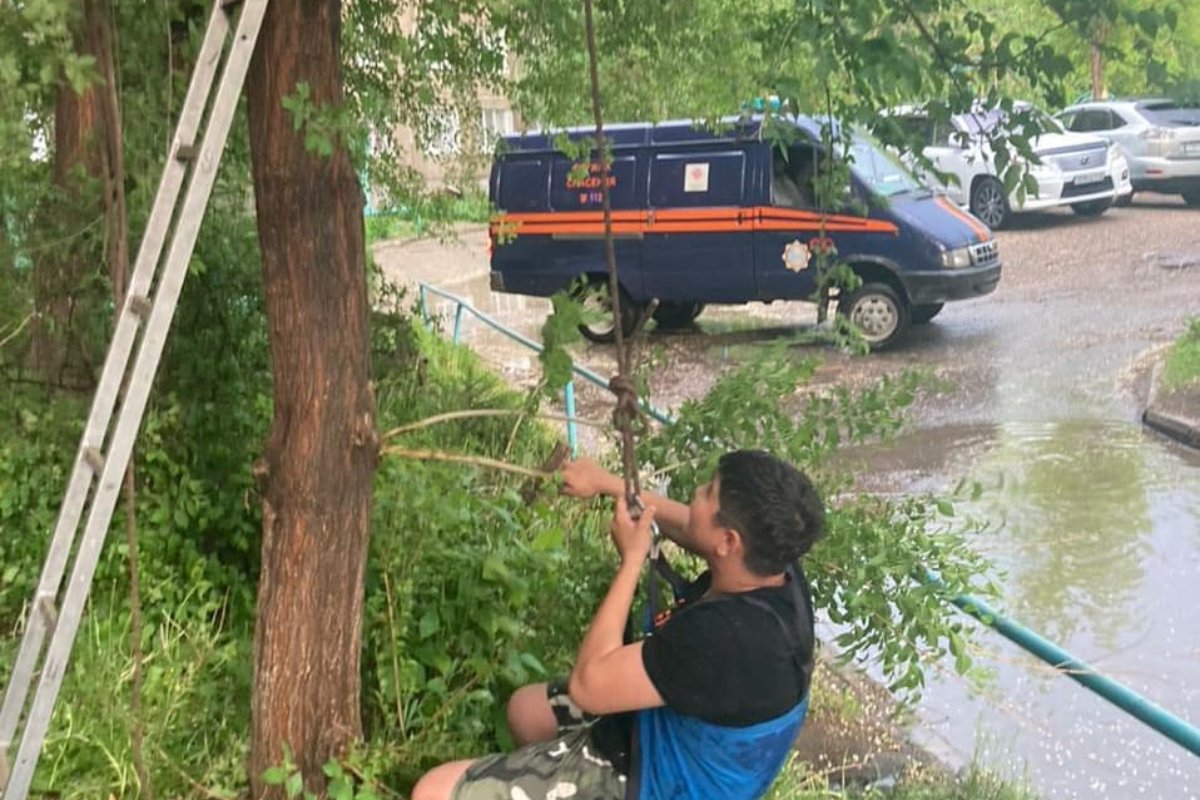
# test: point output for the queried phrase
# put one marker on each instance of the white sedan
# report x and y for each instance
(1076, 170)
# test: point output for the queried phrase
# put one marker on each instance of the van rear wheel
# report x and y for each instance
(676, 315)
(598, 325)
(877, 311)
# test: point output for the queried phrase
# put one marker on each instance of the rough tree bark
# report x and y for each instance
(87, 147)
(317, 469)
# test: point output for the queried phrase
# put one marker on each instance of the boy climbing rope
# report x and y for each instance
(708, 705)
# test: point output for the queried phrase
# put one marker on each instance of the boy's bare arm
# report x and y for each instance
(584, 478)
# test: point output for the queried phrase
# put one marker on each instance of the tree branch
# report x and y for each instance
(450, 416)
(458, 458)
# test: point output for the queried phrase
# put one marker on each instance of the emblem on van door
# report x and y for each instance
(796, 256)
(695, 177)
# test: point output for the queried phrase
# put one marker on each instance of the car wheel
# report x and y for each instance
(1124, 201)
(676, 315)
(1092, 209)
(877, 311)
(1192, 198)
(598, 324)
(925, 312)
(989, 203)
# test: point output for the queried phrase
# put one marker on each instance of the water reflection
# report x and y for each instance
(1072, 501)
(1099, 534)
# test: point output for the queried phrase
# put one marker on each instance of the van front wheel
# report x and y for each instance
(598, 324)
(877, 311)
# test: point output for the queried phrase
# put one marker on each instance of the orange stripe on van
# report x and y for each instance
(688, 220)
(976, 225)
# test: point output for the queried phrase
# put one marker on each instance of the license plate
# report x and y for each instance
(1083, 180)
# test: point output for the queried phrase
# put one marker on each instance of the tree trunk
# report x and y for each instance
(1099, 91)
(87, 148)
(320, 459)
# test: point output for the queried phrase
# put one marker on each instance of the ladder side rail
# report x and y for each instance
(137, 394)
(104, 399)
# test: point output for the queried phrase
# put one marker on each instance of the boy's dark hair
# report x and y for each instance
(773, 505)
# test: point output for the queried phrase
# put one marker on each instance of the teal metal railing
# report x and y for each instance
(462, 307)
(1173, 727)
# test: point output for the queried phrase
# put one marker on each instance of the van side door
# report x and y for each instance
(785, 261)
(699, 245)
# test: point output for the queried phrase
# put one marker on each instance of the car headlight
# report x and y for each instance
(957, 258)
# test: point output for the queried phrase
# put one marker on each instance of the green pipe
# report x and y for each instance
(1177, 730)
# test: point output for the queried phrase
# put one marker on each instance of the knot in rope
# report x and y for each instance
(628, 412)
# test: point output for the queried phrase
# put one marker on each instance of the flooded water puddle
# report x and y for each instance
(1096, 527)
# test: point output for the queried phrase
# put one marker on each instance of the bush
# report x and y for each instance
(1183, 361)
(474, 586)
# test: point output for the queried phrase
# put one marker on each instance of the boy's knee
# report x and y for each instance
(439, 782)
(530, 718)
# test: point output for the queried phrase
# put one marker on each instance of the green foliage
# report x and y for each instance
(433, 215)
(867, 574)
(196, 669)
(35, 454)
(560, 330)
(1183, 361)
(324, 127)
(342, 782)
(470, 591)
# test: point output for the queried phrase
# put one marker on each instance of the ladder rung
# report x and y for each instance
(140, 305)
(94, 459)
(45, 605)
(185, 152)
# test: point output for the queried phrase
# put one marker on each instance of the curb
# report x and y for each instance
(1182, 430)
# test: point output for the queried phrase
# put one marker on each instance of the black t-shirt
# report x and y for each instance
(732, 660)
(735, 660)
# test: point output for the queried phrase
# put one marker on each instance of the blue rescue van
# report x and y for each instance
(728, 216)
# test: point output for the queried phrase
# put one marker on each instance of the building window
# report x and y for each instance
(495, 122)
(441, 133)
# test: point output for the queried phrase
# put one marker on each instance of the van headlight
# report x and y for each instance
(957, 258)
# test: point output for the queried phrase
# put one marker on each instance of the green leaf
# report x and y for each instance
(550, 539)
(430, 624)
(294, 785)
(274, 776)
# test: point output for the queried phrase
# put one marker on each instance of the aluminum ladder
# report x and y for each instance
(120, 399)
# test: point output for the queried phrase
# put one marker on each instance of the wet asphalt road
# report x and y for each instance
(1095, 521)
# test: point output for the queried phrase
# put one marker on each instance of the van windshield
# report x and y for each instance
(878, 169)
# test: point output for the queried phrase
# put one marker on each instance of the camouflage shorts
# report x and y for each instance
(566, 767)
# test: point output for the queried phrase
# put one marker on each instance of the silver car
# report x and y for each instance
(1160, 140)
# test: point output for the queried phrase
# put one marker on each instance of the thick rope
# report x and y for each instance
(628, 413)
